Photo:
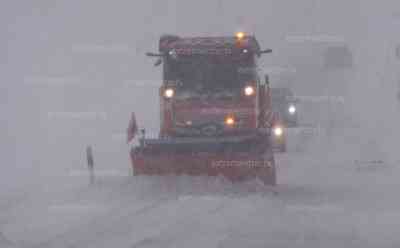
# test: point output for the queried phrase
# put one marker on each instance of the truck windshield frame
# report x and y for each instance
(210, 73)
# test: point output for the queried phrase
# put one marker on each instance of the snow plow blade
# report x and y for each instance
(236, 158)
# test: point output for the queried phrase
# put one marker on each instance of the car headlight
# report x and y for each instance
(173, 54)
(292, 109)
(278, 131)
(169, 93)
(249, 90)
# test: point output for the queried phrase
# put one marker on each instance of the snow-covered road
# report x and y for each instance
(322, 200)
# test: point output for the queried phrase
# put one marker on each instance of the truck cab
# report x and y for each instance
(216, 114)
(211, 86)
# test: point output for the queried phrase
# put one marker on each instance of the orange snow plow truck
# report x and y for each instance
(215, 112)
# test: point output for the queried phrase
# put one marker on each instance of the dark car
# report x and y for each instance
(284, 103)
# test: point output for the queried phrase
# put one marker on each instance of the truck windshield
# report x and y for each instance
(206, 73)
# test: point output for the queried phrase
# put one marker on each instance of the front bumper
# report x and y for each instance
(235, 157)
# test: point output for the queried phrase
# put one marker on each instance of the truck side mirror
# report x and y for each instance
(266, 51)
(150, 54)
(259, 53)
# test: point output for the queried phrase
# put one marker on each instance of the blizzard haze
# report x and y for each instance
(71, 72)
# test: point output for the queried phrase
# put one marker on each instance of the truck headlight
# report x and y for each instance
(240, 35)
(292, 109)
(229, 121)
(249, 90)
(169, 93)
(278, 131)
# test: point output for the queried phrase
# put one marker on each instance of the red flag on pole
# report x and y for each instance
(132, 128)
